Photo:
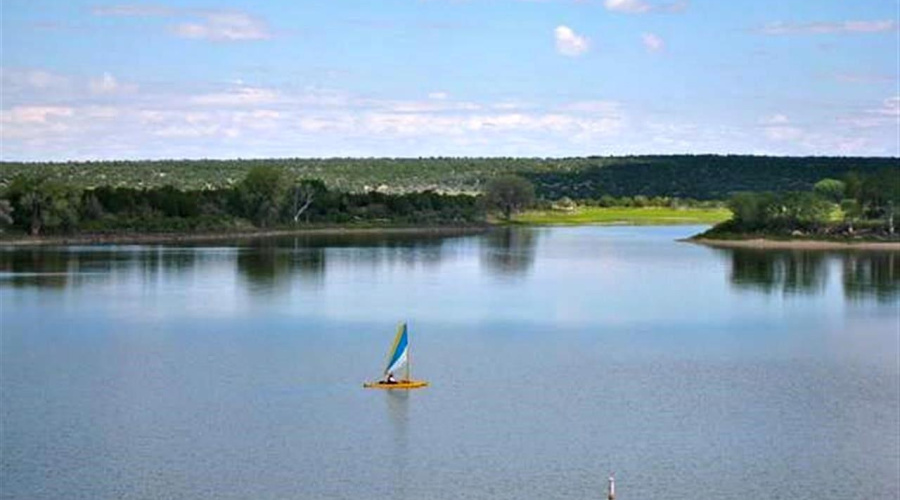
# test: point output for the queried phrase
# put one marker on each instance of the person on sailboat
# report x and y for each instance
(390, 378)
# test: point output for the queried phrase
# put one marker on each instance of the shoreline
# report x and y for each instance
(168, 238)
(462, 230)
(768, 244)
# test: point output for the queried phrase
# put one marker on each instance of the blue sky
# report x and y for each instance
(184, 79)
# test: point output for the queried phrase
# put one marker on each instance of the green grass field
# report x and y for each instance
(625, 215)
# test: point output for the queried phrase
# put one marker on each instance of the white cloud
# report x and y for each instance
(777, 119)
(652, 42)
(593, 107)
(216, 25)
(783, 133)
(241, 96)
(226, 124)
(866, 78)
(34, 125)
(778, 127)
(843, 136)
(224, 26)
(107, 84)
(674, 7)
(440, 96)
(512, 105)
(35, 114)
(416, 106)
(133, 10)
(43, 79)
(249, 121)
(627, 6)
(889, 107)
(643, 7)
(188, 131)
(101, 112)
(35, 79)
(569, 43)
(827, 28)
(884, 118)
(429, 125)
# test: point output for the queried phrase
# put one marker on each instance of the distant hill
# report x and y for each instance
(687, 176)
(700, 177)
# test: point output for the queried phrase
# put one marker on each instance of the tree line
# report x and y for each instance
(266, 197)
(853, 205)
(701, 177)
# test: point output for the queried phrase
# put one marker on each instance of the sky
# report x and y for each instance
(88, 80)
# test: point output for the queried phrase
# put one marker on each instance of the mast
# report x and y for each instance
(408, 352)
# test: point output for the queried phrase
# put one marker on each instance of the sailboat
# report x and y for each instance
(398, 357)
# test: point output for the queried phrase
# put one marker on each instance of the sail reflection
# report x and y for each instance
(398, 414)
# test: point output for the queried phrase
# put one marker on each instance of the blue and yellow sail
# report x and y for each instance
(399, 353)
(398, 357)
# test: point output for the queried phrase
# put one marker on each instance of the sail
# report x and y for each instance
(399, 353)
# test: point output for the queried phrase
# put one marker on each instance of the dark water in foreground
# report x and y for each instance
(555, 357)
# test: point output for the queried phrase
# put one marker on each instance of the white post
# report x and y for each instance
(611, 490)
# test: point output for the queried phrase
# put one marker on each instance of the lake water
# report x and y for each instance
(555, 357)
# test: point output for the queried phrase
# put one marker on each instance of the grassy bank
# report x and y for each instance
(870, 231)
(624, 215)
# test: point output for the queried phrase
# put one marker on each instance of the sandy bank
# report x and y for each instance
(762, 244)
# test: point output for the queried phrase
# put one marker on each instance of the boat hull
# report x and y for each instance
(400, 385)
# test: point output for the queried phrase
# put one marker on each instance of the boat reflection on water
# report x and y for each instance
(397, 406)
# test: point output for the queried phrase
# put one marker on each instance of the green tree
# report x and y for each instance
(509, 194)
(830, 189)
(6, 210)
(800, 210)
(302, 195)
(607, 201)
(879, 195)
(852, 212)
(750, 209)
(261, 194)
(565, 203)
(91, 208)
(852, 185)
(42, 204)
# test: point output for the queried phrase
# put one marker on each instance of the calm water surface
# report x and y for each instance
(555, 356)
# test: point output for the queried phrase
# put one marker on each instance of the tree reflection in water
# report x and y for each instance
(864, 274)
(784, 271)
(509, 251)
(63, 267)
(872, 275)
(268, 264)
(35, 267)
